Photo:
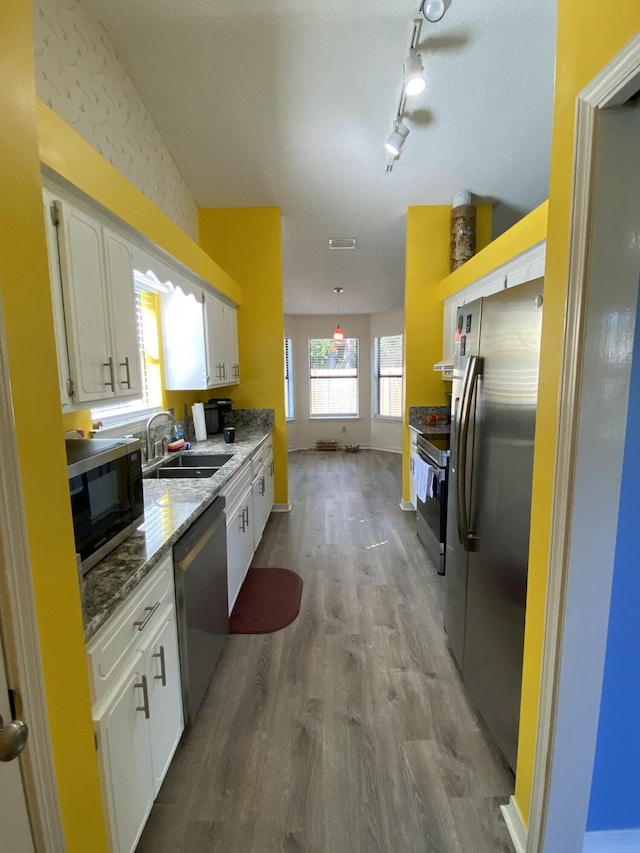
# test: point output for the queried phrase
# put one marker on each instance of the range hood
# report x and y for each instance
(445, 367)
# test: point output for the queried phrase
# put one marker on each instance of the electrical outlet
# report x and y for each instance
(344, 429)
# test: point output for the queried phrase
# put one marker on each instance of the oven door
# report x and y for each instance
(431, 516)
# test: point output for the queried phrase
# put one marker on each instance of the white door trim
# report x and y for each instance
(611, 87)
(20, 634)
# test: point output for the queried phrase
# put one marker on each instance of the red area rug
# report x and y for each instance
(269, 599)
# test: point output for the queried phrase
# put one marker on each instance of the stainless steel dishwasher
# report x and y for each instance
(200, 566)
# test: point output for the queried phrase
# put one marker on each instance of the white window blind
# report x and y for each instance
(333, 377)
(388, 375)
(149, 351)
(288, 380)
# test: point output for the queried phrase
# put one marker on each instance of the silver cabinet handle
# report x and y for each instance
(110, 383)
(145, 697)
(163, 668)
(140, 624)
(263, 487)
(125, 364)
(241, 516)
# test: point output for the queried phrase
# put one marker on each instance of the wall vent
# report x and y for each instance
(342, 243)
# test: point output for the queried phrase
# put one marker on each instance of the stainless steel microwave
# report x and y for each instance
(105, 486)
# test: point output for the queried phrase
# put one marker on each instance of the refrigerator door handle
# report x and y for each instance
(473, 370)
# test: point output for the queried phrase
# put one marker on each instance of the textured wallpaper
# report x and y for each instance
(79, 74)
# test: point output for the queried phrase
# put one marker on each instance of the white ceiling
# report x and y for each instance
(288, 103)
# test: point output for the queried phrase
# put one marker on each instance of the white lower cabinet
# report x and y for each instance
(137, 712)
(239, 513)
(248, 502)
(162, 667)
(124, 745)
(258, 493)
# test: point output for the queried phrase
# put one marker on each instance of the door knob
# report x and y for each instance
(13, 739)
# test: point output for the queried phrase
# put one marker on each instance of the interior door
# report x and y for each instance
(15, 831)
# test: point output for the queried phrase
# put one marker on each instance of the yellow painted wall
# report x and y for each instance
(426, 264)
(586, 41)
(24, 283)
(529, 231)
(247, 243)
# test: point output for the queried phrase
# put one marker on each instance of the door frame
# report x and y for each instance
(20, 639)
(610, 88)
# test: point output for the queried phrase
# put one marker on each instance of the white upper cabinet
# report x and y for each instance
(232, 363)
(64, 373)
(122, 311)
(214, 334)
(99, 308)
(200, 341)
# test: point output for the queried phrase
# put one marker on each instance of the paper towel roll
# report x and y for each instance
(199, 423)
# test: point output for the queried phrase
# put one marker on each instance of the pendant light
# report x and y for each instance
(338, 335)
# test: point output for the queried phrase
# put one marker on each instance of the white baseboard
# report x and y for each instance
(513, 820)
(281, 508)
(406, 506)
(613, 841)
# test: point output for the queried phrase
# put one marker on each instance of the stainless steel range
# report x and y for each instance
(431, 497)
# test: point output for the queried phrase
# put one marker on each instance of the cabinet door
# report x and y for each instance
(64, 374)
(232, 365)
(185, 364)
(270, 486)
(123, 735)
(83, 281)
(214, 332)
(122, 304)
(162, 665)
(236, 552)
(259, 491)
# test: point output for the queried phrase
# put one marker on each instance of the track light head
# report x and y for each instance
(395, 142)
(414, 79)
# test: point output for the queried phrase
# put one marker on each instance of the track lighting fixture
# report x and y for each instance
(338, 335)
(414, 79)
(414, 76)
(395, 142)
(433, 10)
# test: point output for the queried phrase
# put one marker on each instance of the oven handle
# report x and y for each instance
(469, 384)
(442, 472)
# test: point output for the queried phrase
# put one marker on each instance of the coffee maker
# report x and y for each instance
(214, 412)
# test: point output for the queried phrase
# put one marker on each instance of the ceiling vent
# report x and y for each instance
(342, 243)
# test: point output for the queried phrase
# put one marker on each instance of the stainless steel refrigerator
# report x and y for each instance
(495, 389)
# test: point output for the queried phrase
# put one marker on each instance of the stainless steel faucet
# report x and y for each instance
(151, 447)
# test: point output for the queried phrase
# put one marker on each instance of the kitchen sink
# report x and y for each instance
(170, 472)
(197, 465)
(202, 460)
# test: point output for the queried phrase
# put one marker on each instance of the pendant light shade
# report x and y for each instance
(338, 334)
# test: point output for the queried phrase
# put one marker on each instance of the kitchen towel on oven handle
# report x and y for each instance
(424, 475)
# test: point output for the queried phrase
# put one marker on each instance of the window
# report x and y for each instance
(388, 376)
(288, 380)
(149, 348)
(333, 378)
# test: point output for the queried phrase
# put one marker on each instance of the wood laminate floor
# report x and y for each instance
(349, 730)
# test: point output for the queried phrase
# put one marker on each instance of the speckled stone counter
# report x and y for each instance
(170, 506)
(417, 415)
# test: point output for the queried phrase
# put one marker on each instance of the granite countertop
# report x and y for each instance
(170, 506)
(417, 415)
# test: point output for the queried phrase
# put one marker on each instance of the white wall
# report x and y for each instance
(303, 431)
(81, 77)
